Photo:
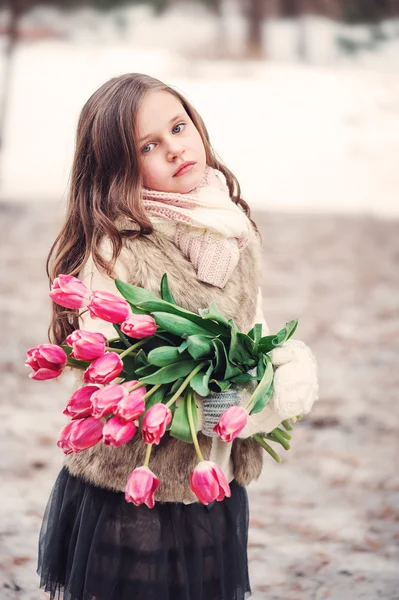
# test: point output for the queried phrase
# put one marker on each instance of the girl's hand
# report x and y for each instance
(296, 384)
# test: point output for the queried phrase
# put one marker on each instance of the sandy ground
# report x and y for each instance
(325, 522)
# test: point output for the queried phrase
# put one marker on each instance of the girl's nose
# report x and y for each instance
(174, 150)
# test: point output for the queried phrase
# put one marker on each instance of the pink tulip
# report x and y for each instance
(86, 345)
(116, 432)
(104, 369)
(79, 404)
(139, 326)
(108, 307)
(141, 487)
(133, 404)
(68, 291)
(47, 361)
(105, 400)
(231, 423)
(154, 423)
(80, 435)
(208, 482)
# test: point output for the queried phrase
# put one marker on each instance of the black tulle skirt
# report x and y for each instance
(93, 545)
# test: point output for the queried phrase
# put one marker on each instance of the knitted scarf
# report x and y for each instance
(205, 224)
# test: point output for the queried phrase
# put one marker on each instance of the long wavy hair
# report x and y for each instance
(106, 183)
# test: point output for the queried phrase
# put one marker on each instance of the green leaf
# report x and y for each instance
(200, 382)
(176, 385)
(157, 306)
(242, 349)
(219, 385)
(224, 367)
(166, 294)
(269, 342)
(183, 346)
(180, 428)
(265, 388)
(200, 346)
(171, 372)
(220, 358)
(178, 325)
(134, 294)
(164, 355)
(244, 378)
(214, 313)
(256, 333)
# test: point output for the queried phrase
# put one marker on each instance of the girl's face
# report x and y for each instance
(167, 139)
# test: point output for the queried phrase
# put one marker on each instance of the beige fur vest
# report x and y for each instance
(172, 461)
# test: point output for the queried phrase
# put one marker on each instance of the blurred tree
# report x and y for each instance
(255, 14)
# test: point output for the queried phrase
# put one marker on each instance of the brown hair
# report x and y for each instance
(106, 182)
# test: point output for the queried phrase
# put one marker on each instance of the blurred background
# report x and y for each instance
(301, 99)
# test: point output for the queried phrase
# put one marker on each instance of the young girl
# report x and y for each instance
(148, 196)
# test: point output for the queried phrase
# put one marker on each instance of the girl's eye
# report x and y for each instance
(144, 148)
(179, 125)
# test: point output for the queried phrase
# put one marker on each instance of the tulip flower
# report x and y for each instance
(108, 307)
(208, 482)
(80, 434)
(116, 432)
(105, 400)
(139, 326)
(86, 345)
(69, 292)
(155, 422)
(47, 361)
(141, 487)
(132, 404)
(231, 423)
(104, 369)
(79, 404)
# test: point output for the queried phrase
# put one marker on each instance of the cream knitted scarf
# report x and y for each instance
(205, 224)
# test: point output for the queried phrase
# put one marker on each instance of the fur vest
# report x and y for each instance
(150, 256)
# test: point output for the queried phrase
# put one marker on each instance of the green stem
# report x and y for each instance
(185, 384)
(285, 435)
(268, 448)
(117, 339)
(189, 398)
(287, 425)
(117, 350)
(129, 350)
(279, 438)
(152, 391)
(147, 455)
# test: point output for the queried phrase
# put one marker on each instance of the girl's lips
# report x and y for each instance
(185, 169)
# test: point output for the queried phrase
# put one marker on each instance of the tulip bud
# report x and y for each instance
(231, 423)
(155, 422)
(116, 432)
(47, 361)
(139, 326)
(132, 404)
(104, 369)
(141, 487)
(86, 345)
(108, 307)
(80, 435)
(105, 400)
(69, 291)
(208, 482)
(79, 404)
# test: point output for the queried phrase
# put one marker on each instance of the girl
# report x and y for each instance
(149, 196)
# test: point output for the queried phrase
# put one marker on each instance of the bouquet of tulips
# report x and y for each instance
(161, 353)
